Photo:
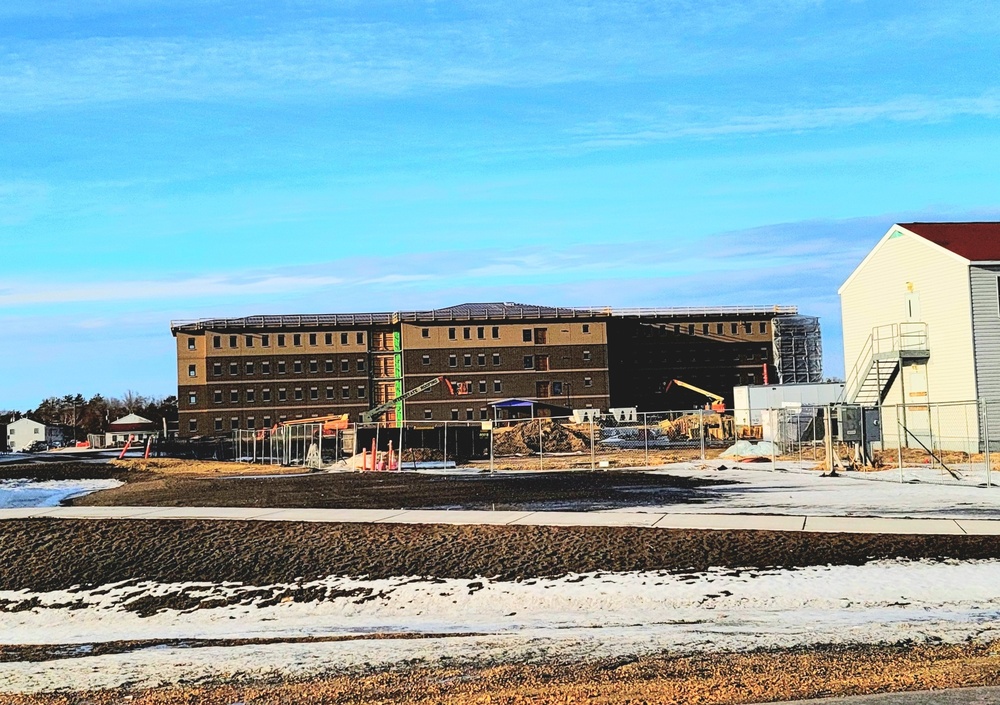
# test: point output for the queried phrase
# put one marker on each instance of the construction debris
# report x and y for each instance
(522, 438)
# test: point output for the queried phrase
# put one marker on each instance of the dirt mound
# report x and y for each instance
(523, 438)
(183, 466)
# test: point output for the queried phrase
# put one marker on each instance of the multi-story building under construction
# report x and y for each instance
(253, 372)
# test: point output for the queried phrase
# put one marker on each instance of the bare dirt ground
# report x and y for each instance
(585, 490)
(717, 679)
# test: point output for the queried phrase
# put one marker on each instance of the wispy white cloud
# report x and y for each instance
(675, 123)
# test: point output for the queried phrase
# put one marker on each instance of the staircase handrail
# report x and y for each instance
(884, 339)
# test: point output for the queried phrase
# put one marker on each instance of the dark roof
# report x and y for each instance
(978, 242)
(470, 312)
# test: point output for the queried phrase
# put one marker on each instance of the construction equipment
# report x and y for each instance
(457, 388)
(331, 422)
(717, 403)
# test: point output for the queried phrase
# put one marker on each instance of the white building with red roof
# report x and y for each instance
(921, 317)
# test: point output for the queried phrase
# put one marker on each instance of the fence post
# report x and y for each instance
(445, 466)
(701, 431)
(593, 464)
(541, 463)
(645, 437)
(491, 446)
(773, 413)
(986, 447)
(900, 430)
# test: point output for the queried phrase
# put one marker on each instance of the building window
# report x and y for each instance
(328, 338)
(425, 332)
(329, 392)
(217, 396)
(454, 414)
(541, 362)
(297, 339)
(191, 344)
(314, 393)
(345, 392)
(250, 396)
(588, 382)
(232, 341)
(496, 358)
(747, 327)
(541, 336)
(192, 425)
(482, 386)
(192, 371)
(265, 367)
(297, 366)
(452, 361)
(451, 334)
(216, 341)
(360, 338)
(345, 365)
(495, 332)
(484, 414)
(234, 369)
(529, 362)
(234, 423)
(361, 391)
(526, 335)
(469, 415)
(267, 422)
(217, 369)
(249, 367)
(586, 328)
(497, 386)
(361, 364)
(557, 389)
(734, 328)
(586, 355)
(690, 328)
(248, 341)
(265, 341)
(467, 360)
(281, 367)
(467, 333)
(719, 328)
(192, 398)
(234, 396)
(282, 394)
(281, 340)
(250, 421)
(704, 329)
(265, 395)
(343, 338)
(425, 360)
(314, 366)
(763, 327)
(481, 359)
(218, 423)
(428, 414)
(481, 332)
(312, 339)
(328, 366)
(297, 393)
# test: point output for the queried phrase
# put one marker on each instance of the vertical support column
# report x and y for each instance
(445, 444)
(593, 463)
(645, 437)
(541, 462)
(701, 433)
(986, 445)
(828, 438)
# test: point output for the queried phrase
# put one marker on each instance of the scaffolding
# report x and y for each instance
(798, 349)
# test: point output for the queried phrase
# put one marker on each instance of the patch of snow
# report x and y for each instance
(47, 493)
(576, 617)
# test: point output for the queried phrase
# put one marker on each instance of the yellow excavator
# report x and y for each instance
(716, 404)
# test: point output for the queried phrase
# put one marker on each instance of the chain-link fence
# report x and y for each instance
(926, 443)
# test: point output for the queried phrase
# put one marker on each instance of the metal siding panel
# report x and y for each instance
(986, 334)
(877, 296)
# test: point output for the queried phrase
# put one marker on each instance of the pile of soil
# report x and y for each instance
(707, 679)
(422, 455)
(408, 490)
(523, 438)
(184, 466)
(56, 554)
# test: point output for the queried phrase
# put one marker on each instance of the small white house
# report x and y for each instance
(921, 317)
(133, 426)
(23, 432)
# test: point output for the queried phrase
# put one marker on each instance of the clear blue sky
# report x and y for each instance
(194, 158)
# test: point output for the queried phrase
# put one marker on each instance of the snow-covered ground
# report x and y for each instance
(575, 617)
(796, 488)
(47, 493)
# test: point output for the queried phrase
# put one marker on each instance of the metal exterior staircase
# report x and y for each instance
(886, 351)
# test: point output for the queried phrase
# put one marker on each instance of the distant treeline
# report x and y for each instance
(93, 415)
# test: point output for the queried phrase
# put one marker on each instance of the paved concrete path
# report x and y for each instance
(956, 696)
(659, 520)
